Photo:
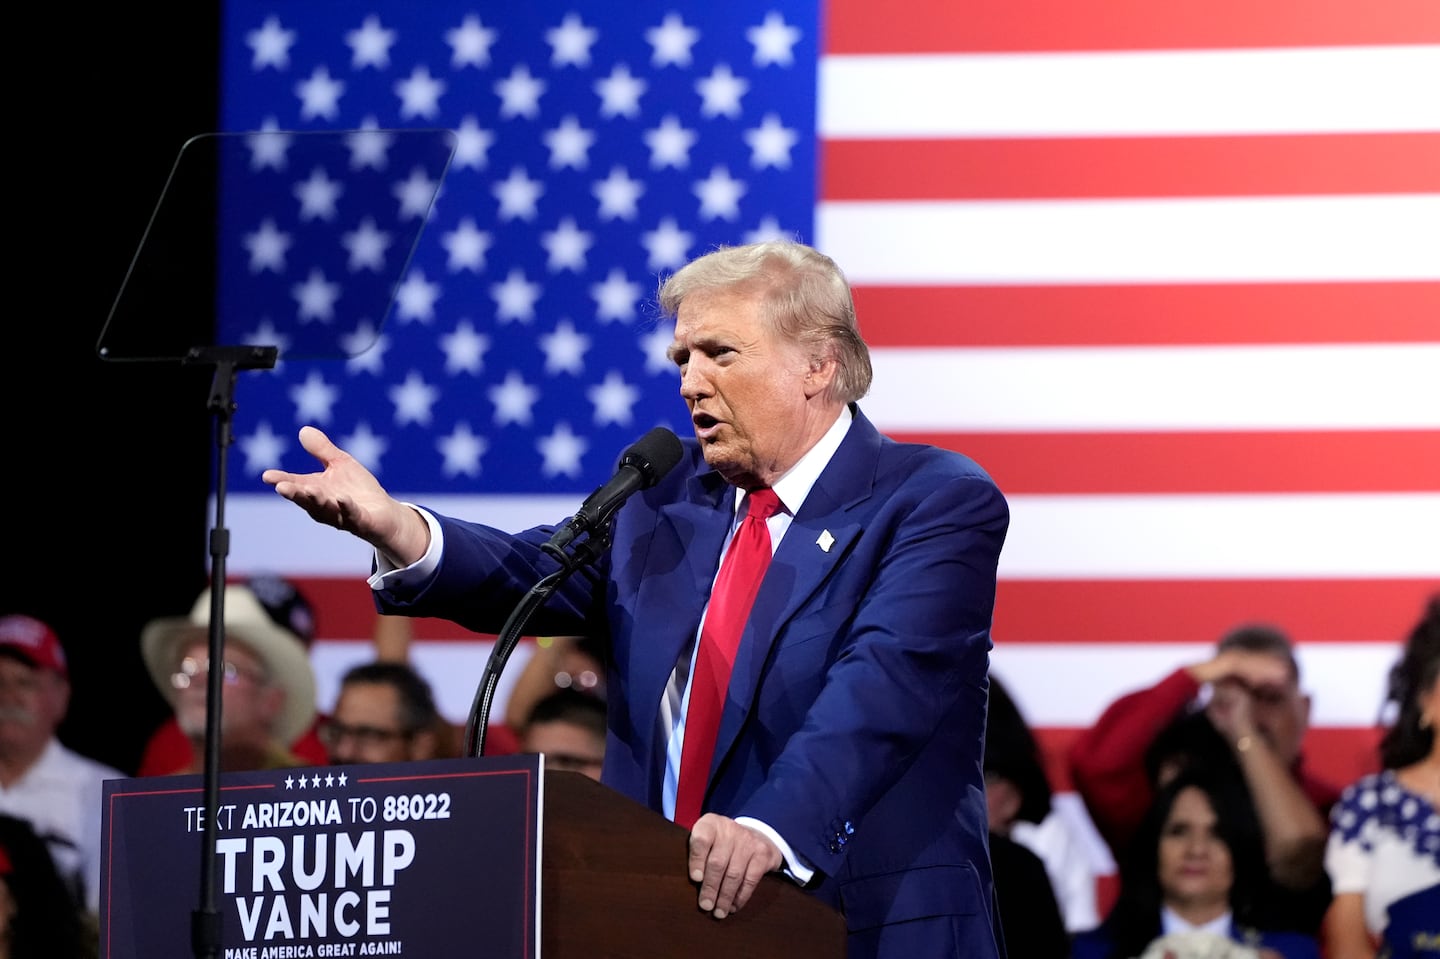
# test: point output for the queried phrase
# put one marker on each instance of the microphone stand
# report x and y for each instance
(586, 552)
(228, 361)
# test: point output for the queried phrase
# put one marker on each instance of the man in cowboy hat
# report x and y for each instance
(41, 780)
(269, 686)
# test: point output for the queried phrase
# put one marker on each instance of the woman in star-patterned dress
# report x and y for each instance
(1384, 851)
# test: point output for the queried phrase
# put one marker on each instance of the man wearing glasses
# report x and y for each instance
(385, 713)
(268, 690)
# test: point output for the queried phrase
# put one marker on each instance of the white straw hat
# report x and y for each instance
(247, 620)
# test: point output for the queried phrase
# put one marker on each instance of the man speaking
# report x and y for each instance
(796, 616)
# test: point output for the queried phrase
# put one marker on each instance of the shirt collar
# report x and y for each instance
(1171, 922)
(796, 483)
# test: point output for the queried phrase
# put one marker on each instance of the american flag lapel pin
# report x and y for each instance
(825, 541)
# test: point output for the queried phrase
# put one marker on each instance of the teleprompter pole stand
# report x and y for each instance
(228, 361)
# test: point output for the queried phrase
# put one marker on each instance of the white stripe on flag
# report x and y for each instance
(1331, 89)
(1229, 536)
(1323, 238)
(1069, 685)
(1055, 684)
(1140, 537)
(1349, 386)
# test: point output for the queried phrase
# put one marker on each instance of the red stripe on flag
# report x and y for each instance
(1201, 611)
(958, 169)
(1149, 314)
(345, 609)
(1339, 755)
(944, 26)
(1355, 461)
(1069, 611)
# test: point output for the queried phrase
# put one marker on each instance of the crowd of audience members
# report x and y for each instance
(1224, 838)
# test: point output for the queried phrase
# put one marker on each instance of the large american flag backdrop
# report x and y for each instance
(1171, 272)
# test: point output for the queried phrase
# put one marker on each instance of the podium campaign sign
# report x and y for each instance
(411, 859)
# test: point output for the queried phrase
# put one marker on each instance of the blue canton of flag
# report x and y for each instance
(596, 148)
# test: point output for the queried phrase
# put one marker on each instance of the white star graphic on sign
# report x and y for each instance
(571, 41)
(268, 146)
(464, 349)
(267, 247)
(513, 400)
(270, 45)
(366, 446)
(670, 144)
(316, 297)
(370, 45)
(470, 43)
(318, 195)
(472, 145)
(415, 297)
(565, 349)
(615, 297)
(515, 297)
(567, 245)
(320, 95)
(520, 93)
(289, 781)
(342, 779)
(314, 399)
(770, 143)
(720, 92)
(774, 41)
(467, 246)
(369, 146)
(668, 245)
(413, 400)
(415, 194)
(518, 195)
(316, 781)
(618, 194)
(367, 244)
(620, 92)
(719, 195)
(365, 349)
(461, 451)
(262, 449)
(656, 346)
(569, 144)
(614, 400)
(671, 41)
(419, 94)
(561, 451)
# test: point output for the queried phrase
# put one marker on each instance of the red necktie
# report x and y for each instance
(740, 574)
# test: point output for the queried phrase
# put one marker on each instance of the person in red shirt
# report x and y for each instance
(1242, 711)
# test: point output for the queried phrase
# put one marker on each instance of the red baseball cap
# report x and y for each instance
(28, 639)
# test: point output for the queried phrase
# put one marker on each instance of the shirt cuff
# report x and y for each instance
(795, 867)
(389, 576)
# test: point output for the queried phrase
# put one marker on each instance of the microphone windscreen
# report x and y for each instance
(654, 454)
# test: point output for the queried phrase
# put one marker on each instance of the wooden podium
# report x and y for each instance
(613, 886)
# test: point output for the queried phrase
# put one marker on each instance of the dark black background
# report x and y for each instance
(106, 466)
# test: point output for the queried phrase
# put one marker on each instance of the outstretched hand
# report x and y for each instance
(347, 496)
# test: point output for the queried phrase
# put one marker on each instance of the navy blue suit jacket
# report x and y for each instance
(856, 714)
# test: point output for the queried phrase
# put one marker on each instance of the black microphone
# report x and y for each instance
(641, 466)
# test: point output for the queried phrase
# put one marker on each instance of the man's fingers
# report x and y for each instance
(316, 443)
